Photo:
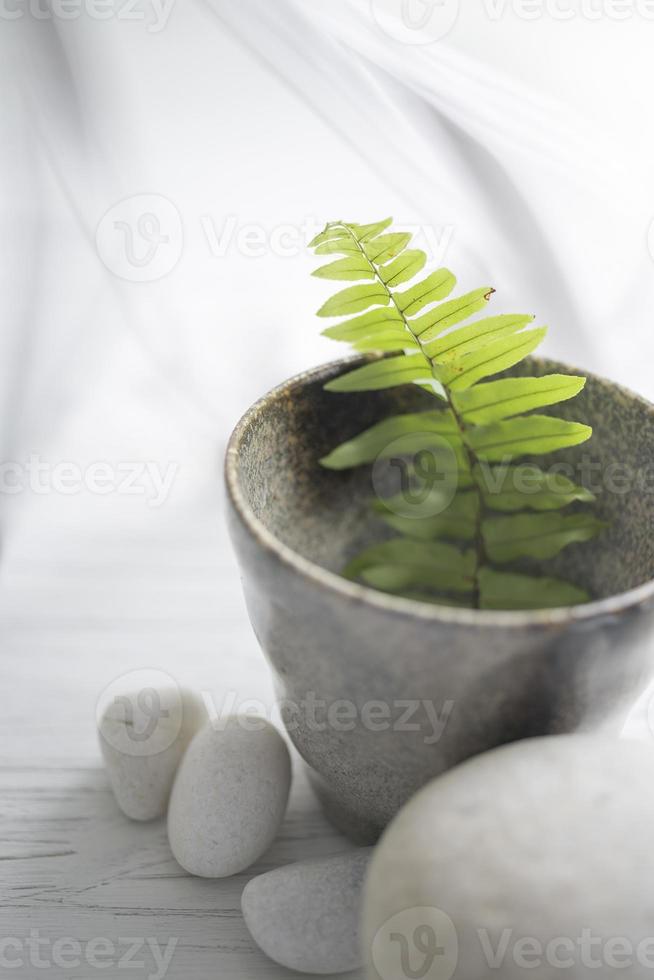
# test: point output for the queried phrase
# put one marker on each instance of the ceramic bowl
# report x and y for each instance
(380, 694)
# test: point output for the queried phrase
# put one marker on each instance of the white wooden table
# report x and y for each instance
(84, 599)
(77, 611)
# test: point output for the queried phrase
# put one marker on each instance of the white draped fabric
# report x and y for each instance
(521, 150)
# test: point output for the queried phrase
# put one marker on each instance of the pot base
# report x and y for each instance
(342, 818)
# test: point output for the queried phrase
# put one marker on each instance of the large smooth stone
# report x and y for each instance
(534, 860)
(306, 916)
(229, 797)
(143, 736)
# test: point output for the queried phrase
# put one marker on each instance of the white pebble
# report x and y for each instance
(305, 916)
(533, 860)
(229, 797)
(143, 736)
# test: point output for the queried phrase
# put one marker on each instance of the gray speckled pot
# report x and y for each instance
(452, 682)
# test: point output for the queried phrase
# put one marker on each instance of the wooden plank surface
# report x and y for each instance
(76, 612)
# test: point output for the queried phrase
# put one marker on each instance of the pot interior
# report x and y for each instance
(325, 515)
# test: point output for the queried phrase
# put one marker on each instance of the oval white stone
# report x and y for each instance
(535, 860)
(306, 916)
(143, 736)
(229, 797)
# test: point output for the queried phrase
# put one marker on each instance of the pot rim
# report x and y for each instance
(357, 593)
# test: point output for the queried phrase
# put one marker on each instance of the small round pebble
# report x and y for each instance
(306, 916)
(143, 736)
(229, 797)
(533, 860)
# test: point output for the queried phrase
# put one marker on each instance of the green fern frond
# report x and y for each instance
(447, 546)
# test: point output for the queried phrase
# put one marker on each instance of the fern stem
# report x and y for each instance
(478, 536)
(471, 456)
